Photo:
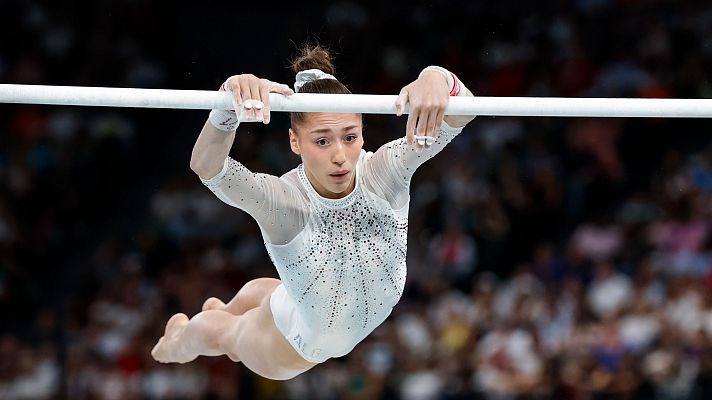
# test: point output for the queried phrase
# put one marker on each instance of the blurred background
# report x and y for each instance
(549, 258)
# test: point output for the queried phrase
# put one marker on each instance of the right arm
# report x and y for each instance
(260, 195)
(251, 98)
(210, 151)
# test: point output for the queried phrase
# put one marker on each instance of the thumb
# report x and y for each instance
(281, 89)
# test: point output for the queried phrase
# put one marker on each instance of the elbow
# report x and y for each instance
(205, 170)
(195, 165)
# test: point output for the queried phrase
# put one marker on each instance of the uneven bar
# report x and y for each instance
(358, 103)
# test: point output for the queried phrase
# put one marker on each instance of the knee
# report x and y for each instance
(283, 375)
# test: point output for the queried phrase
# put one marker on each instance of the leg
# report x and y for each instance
(185, 339)
(251, 338)
(263, 348)
(247, 298)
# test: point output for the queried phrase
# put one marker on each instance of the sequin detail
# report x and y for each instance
(342, 261)
(347, 269)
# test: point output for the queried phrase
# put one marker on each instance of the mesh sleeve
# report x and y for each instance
(277, 205)
(389, 170)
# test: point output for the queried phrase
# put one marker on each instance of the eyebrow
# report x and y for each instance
(327, 130)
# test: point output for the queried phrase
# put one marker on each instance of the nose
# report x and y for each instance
(338, 157)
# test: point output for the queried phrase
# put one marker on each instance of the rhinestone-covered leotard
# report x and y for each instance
(342, 261)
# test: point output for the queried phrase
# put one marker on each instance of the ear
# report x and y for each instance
(294, 141)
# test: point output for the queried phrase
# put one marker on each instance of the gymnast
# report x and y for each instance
(335, 227)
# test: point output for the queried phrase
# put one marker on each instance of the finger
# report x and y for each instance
(430, 125)
(251, 108)
(422, 127)
(236, 94)
(255, 91)
(281, 89)
(425, 140)
(246, 94)
(401, 101)
(439, 122)
(410, 126)
(264, 96)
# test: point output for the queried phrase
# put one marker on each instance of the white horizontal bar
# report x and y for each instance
(359, 103)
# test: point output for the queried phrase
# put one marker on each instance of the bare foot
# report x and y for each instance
(213, 303)
(166, 350)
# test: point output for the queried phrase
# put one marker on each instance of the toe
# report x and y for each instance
(213, 303)
(176, 322)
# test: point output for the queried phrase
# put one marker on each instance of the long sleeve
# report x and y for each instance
(275, 203)
(389, 170)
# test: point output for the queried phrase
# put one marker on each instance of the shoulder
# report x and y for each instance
(364, 156)
(292, 181)
(384, 156)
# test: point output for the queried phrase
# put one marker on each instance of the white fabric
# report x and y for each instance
(341, 261)
(224, 120)
(284, 313)
(310, 75)
(229, 120)
(452, 80)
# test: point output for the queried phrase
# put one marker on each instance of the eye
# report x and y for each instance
(351, 138)
(322, 142)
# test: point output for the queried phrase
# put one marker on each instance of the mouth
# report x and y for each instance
(339, 174)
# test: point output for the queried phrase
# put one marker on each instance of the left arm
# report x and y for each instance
(428, 97)
(390, 168)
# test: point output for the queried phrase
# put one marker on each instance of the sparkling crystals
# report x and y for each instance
(350, 262)
(341, 261)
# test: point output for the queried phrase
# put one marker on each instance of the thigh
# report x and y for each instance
(263, 348)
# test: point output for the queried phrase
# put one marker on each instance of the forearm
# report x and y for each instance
(412, 160)
(210, 151)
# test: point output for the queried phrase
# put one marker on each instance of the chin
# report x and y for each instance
(341, 189)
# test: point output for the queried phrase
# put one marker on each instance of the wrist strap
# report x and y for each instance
(453, 82)
(224, 120)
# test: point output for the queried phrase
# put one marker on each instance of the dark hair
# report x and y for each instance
(314, 56)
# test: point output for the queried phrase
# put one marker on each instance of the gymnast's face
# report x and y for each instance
(330, 145)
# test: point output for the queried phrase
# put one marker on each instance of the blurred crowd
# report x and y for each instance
(549, 258)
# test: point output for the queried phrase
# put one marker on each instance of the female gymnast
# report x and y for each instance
(335, 227)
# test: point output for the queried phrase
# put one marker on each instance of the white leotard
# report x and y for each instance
(342, 262)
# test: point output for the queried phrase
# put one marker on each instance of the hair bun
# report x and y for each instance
(313, 56)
